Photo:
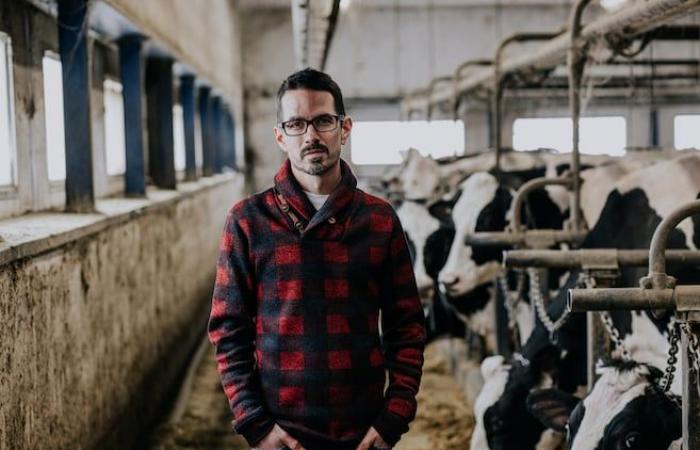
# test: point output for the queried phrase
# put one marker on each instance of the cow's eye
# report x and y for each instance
(632, 440)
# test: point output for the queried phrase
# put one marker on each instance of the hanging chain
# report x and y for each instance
(552, 326)
(511, 298)
(693, 352)
(674, 335)
(614, 335)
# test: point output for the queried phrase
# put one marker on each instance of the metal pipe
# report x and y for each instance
(529, 238)
(683, 298)
(457, 96)
(657, 261)
(526, 189)
(633, 19)
(434, 82)
(576, 62)
(578, 259)
(500, 81)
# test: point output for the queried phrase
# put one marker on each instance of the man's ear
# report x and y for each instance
(552, 407)
(345, 130)
(279, 138)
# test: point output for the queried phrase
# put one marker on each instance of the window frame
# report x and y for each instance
(10, 191)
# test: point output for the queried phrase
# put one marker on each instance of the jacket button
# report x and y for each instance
(285, 208)
(299, 225)
(331, 220)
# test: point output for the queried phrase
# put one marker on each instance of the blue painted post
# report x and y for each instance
(232, 127)
(159, 93)
(216, 131)
(206, 126)
(72, 40)
(187, 102)
(131, 67)
(230, 140)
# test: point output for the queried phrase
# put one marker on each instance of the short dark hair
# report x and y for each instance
(313, 80)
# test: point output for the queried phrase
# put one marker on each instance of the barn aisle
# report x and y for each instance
(443, 421)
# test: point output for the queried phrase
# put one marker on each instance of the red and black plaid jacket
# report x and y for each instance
(295, 316)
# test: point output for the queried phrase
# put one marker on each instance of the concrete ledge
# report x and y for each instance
(33, 234)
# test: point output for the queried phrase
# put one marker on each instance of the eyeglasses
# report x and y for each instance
(322, 123)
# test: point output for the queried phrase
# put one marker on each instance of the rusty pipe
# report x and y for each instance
(526, 189)
(429, 91)
(583, 258)
(576, 62)
(683, 298)
(500, 81)
(457, 94)
(657, 261)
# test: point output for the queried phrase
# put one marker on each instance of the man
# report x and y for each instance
(304, 270)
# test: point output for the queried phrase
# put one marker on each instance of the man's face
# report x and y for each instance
(313, 152)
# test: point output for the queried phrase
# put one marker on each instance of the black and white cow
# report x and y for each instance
(485, 205)
(627, 220)
(468, 275)
(423, 178)
(625, 410)
(429, 233)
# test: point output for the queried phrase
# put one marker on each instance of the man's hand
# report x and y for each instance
(371, 440)
(276, 439)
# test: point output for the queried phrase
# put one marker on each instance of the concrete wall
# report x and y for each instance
(96, 332)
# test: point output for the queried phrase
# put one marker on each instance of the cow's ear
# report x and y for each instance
(552, 407)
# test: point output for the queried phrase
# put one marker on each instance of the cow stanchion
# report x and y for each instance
(517, 236)
(659, 290)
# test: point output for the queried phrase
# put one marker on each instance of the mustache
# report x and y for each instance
(312, 147)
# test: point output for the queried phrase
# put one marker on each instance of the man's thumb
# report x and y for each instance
(292, 443)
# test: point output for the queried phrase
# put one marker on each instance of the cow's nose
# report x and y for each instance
(449, 280)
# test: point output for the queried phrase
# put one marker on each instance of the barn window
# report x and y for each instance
(685, 131)
(7, 133)
(115, 146)
(53, 111)
(598, 135)
(380, 142)
(179, 137)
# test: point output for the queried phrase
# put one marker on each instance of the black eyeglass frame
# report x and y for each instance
(338, 117)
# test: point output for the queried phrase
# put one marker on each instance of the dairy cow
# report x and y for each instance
(627, 219)
(467, 277)
(429, 232)
(625, 410)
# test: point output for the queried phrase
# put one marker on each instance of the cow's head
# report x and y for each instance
(482, 206)
(429, 231)
(502, 419)
(420, 177)
(625, 410)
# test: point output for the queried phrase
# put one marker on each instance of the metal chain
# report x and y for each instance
(511, 298)
(536, 297)
(693, 352)
(674, 336)
(614, 335)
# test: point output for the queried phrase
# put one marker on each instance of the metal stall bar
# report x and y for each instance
(499, 83)
(582, 258)
(576, 62)
(659, 290)
(517, 235)
(457, 77)
(435, 82)
(632, 20)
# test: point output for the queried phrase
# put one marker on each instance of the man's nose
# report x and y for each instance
(311, 134)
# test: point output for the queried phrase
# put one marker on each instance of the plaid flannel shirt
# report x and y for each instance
(296, 309)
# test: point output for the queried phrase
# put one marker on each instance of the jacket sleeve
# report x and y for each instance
(231, 330)
(403, 339)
